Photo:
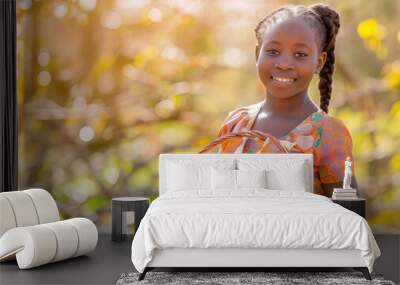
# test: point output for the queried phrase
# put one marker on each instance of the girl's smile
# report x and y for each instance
(282, 82)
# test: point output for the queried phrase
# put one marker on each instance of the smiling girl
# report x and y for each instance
(294, 43)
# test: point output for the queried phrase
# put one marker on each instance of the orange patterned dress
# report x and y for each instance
(327, 138)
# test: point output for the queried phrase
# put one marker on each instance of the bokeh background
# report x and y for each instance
(105, 86)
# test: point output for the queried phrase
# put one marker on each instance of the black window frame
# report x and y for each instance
(8, 98)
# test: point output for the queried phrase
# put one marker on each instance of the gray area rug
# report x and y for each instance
(225, 278)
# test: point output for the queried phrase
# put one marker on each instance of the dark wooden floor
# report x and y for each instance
(102, 266)
(110, 260)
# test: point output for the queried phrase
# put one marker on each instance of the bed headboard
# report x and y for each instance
(269, 158)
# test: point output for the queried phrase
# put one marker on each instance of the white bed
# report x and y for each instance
(203, 220)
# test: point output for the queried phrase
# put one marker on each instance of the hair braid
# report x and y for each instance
(332, 24)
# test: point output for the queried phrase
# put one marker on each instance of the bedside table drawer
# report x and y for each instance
(357, 206)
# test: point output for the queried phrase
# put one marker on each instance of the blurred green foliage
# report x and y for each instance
(104, 87)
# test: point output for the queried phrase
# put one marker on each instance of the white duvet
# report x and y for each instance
(251, 218)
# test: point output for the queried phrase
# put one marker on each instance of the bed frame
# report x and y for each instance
(240, 259)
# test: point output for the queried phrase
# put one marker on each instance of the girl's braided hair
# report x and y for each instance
(327, 23)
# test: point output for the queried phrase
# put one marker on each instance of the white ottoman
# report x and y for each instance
(31, 232)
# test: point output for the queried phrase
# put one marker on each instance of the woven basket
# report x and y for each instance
(251, 134)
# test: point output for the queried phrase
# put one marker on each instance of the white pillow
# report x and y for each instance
(223, 179)
(185, 174)
(229, 179)
(183, 178)
(251, 178)
(293, 179)
(281, 174)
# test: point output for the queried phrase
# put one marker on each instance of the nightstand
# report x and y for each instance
(355, 205)
(119, 207)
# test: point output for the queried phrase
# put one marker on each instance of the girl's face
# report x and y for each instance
(288, 57)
